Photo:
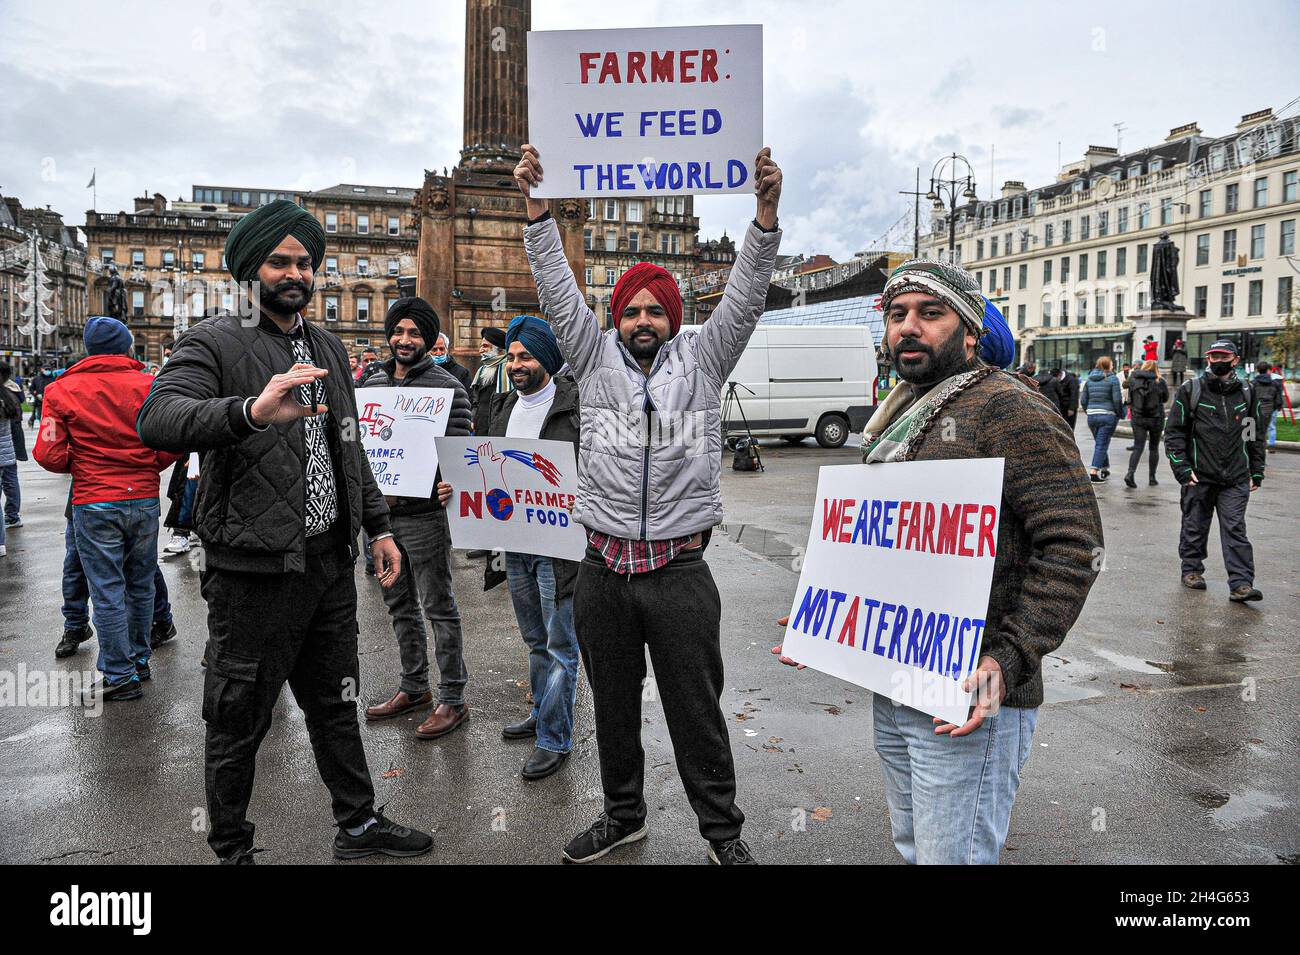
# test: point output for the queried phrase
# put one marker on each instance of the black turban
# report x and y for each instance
(418, 311)
(256, 236)
(496, 337)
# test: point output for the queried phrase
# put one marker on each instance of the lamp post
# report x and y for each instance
(945, 178)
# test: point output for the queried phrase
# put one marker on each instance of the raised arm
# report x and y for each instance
(565, 307)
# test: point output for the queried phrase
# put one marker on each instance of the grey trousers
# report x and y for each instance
(424, 590)
(1200, 503)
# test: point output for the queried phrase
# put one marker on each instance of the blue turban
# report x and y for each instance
(997, 347)
(536, 336)
(957, 289)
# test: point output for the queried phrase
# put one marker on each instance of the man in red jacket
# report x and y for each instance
(88, 429)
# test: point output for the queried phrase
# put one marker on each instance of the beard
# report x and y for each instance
(643, 351)
(528, 380)
(417, 353)
(286, 298)
(933, 366)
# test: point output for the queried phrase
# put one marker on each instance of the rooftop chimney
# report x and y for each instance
(1182, 132)
(1099, 154)
(1012, 187)
(1255, 118)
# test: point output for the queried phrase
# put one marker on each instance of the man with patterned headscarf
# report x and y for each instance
(285, 490)
(951, 404)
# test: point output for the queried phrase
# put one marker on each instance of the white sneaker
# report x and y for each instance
(2, 550)
(179, 544)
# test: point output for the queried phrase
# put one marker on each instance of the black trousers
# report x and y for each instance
(676, 613)
(1200, 503)
(263, 630)
(1144, 433)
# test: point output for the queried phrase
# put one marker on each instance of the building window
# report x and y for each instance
(1006, 279)
(331, 308)
(1047, 236)
(1083, 310)
(1202, 298)
(394, 225)
(137, 258)
(1101, 264)
(1065, 312)
(633, 238)
(393, 265)
(1006, 243)
(106, 255)
(198, 261)
(1166, 211)
(611, 210)
(1119, 306)
(586, 238)
(1047, 271)
(331, 222)
(1284, 294)
(1022, 280)
(1288, 186)
(1020, 316)
(1261, 192)
(1230, 198)
(586, 275)
(1083, 267)
(1203, 249)
(1207, 203)
(1065, 271)
(993, 247)
(1286, 243)
(331, 264)
(1142, 258)
(1255, 297)
(363, 266)
(169, 259)
(1144, 215)
(1047, 314)
(1103, 224)
(1257, 241)
(1142, 301)
(1229, 245)
(993, 281)
(633, 211)
(363, 308)
(1100, 302)
(1085, 228)
(611, 241)
(363, 225)
(1226, 296)
(1024, 240)
(1121, 261)
(1066, 228)
(979, 249)
(137, 303)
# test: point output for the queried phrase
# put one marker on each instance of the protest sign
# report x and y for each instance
(512, 494)
(398, 428)
(646, 112)
(895, 582)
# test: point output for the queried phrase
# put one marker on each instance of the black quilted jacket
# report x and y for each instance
(424, 374)
(251, 507)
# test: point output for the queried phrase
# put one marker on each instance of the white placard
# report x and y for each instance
(398, 428)
(512, 494)
(646, 112)
(895, 584)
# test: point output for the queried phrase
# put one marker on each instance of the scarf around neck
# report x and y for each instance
(896, 430)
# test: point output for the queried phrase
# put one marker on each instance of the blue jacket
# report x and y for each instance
(1100, 392)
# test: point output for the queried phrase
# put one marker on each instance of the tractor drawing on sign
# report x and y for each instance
(376, 422)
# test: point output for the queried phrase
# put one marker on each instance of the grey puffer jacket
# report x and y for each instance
(650, 466)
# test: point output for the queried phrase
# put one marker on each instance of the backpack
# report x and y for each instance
(1195, 396)
(746, 457)
(1145, 399)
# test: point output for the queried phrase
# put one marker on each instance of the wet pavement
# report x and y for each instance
(1169, 734)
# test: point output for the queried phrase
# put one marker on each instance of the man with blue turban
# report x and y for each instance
(950, 788)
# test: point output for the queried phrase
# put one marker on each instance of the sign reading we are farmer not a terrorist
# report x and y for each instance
(646, 112)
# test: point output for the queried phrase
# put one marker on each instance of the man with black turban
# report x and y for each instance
(285, 490)
(424, 540)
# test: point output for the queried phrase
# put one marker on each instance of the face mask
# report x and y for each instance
(1220, 368)
(440, 359)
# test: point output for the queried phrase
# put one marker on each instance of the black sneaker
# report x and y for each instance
(161, 633)
(603, 837)
(1152, 482)
(120, 692)
(731, 852)
(1243, 593)
(1129, 482)
(72, 639)
(386, 837)
(142, 671)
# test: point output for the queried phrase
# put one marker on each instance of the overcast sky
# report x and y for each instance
(157, 96)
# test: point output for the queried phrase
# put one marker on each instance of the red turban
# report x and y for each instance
(661, 285)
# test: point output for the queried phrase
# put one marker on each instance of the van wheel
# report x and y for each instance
(832, 431)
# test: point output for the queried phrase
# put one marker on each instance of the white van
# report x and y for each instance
(799, 380)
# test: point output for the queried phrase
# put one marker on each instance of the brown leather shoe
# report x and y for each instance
(399, 704)
(442, 720)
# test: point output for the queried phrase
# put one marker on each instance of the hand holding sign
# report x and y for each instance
(986, 683)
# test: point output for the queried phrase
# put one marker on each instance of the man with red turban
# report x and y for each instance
(649, 494)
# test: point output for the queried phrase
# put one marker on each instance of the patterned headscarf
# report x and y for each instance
(957, 289)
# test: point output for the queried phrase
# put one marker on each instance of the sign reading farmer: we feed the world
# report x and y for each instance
(647, 112)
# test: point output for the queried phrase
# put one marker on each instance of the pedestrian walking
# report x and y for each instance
(284, 490)
(1178, 362)
(649, 494)
(11, 410)
(1148, 394)
(1101, 397)
(1216, 449)
(88, 430)
(1272, 399)
(423, 589)
(950, 789)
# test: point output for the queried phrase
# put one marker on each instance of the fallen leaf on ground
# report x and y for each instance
(821, 813)
(394, 774)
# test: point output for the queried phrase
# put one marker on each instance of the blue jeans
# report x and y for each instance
(1272, 431)
(950, 799)
(13, 493)
(547, 627)
(118, 546)
(1102, 427)
(76, 592)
